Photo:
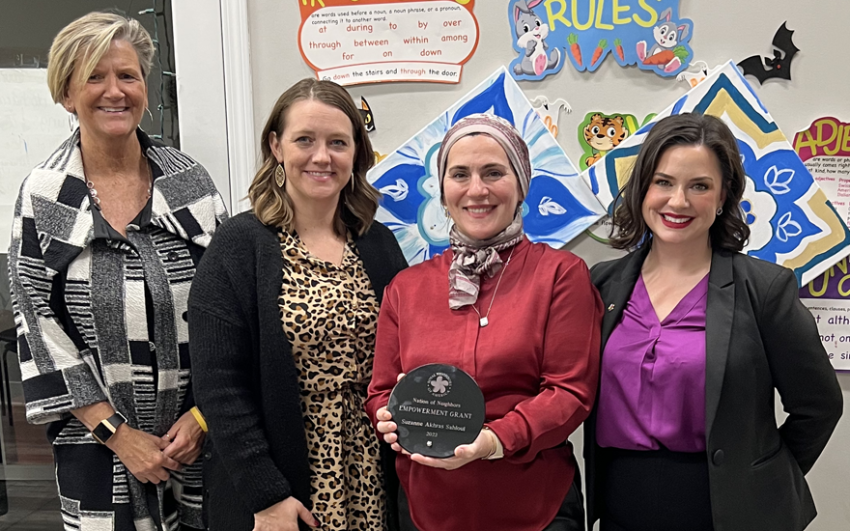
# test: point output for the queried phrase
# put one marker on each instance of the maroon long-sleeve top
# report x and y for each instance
(537, 363)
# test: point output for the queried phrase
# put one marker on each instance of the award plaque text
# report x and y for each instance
(436, 407)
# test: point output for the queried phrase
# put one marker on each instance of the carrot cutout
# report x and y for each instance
(669, 60)
(572, 39)
(598, 52)
(681, 54)
(618, 47)
(660, 59)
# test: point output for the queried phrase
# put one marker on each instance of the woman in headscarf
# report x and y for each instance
(522, 319)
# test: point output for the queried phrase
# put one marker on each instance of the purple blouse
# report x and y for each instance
(652, 389)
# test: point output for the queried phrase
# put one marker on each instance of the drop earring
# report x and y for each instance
(352, 183)
(280, 176)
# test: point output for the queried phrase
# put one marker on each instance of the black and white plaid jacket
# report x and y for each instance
(101, 319)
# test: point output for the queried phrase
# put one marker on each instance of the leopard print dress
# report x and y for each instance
(329, 315)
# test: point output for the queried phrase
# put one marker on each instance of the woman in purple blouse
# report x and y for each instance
(697, 337)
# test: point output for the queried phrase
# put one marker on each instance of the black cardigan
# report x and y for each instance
(244, 376)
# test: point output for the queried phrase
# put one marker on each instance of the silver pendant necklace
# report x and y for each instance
(93, 193)
(484, 321)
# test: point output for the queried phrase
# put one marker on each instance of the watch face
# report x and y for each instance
(106, 429)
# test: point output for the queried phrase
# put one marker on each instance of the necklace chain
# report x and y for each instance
(96, 200)
(484, 321)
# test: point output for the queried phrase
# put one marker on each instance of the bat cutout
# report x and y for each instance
(778, 66)
(366, 114)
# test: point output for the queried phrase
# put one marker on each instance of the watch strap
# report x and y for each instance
(106, 429)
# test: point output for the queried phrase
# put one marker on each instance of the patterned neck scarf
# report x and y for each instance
(473, 258)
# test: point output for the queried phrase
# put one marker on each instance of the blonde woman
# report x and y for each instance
(284, 311)
(107, 234)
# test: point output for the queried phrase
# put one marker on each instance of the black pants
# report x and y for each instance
(570, 516)
(655, 491)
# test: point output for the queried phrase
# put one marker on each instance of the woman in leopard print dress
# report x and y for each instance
(285, 307)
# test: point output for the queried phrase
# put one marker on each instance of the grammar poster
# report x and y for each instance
(825, 149)
(375, 41)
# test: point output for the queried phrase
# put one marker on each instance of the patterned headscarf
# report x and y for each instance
(499, 130)
(472, 258)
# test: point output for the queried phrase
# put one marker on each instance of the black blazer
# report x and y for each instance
(244, 377)
(759, 337)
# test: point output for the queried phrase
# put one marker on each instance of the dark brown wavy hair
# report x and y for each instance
(356, 209)
(729, 231)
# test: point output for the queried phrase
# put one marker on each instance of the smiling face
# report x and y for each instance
(317, 150)
(110, 103)
(683, 197)
(480, 188)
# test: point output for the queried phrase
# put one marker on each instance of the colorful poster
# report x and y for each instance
(375, 41)
(828, 298)
(548, 33)
(791, 220)
(559, 205)
(825, 149)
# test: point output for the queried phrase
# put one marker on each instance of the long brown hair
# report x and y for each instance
(729, 231)
(357, 207)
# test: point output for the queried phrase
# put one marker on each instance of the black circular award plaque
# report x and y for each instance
(436, 407)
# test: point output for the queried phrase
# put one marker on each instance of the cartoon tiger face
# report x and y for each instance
(604, 134)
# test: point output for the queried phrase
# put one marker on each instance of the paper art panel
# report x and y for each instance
(791, 220)
(548, 33)
(778, 66)
(559, 205)
(374, 41)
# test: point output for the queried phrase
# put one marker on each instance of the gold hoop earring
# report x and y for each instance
(280, 176)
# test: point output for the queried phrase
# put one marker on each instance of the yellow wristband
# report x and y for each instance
(202, 422)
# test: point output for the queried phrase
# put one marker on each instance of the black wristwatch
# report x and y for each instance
(107, 428)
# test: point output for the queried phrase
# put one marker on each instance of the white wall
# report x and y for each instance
(723, 29)
(200, 87)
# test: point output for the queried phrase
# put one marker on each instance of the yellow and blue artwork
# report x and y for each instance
(559, 205)
(791, 221)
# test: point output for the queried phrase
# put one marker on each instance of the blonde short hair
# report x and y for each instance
(80, 45)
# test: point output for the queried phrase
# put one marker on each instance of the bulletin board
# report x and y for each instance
(719, 31)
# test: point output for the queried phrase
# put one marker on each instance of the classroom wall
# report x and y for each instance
(723, 29)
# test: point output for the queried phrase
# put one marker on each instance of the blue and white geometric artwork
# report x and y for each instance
(559, 205)
(791, 221)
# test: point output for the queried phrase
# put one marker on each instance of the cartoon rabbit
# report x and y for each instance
(531, 35)
(666, 35)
